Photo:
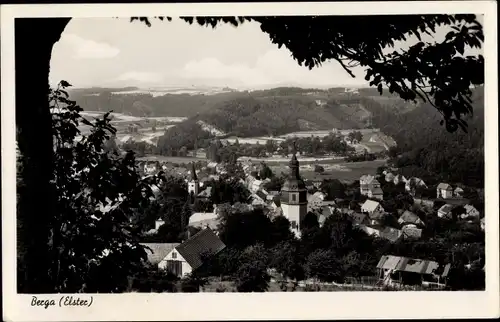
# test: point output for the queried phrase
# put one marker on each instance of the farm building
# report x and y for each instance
(189, 256)
(399, 271)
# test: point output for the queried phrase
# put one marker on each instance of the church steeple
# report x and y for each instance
(294, 163)
(193, 183)
(294, 195)
(194, 177)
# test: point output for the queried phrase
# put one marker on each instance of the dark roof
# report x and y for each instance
(357, 218)
(410, 217)
(193, 177)
(204, 242)
(261, 195)
(157, 251)
(377, 191)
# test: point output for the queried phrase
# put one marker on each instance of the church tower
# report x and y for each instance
(294, 196)
(193, 184)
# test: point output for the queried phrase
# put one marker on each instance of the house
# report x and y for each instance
(470, 212)
(413, 183)
(365, 183)
(482, 224)
(359, 218)
(411, 231)
(315, 200)
(445, 211)
(205, 194)
(399, 271)
(158, 223)
(158, 251)
(399, 179)
(389, 233)
(444, 191)
(375, 193)
(190, 255)
(458, 192)
(409, 217)
(204, 219)
(372, 207)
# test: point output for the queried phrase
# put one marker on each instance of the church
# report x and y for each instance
(294, 196)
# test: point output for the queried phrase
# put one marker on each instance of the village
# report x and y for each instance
(367, 204)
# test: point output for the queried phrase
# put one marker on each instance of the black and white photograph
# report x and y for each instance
(176, 152)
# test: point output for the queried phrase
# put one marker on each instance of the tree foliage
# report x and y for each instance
(94, 245)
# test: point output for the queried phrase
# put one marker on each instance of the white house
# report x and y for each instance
(482, 224)
(372, 207)
(444, 191)
(366, 182)
(470, 212)
(189, 256)
(158, 223)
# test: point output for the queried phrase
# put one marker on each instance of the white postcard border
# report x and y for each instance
(245, 306)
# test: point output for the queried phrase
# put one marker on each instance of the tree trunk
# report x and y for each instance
(34, 39)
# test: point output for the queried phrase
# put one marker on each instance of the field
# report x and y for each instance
(343, 171)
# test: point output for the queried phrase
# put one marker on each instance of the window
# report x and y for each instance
(174, 255)
(294, 197)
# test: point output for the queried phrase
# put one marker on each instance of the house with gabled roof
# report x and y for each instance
(191, 254)
(409, 218)
(411, 231)
(444, 191)
(359, 218)
(445, 211)
(371, 207)
(389, 233)
(470, 212)
(458, 192)
(364, 183)
(158, 251)
(375, 193)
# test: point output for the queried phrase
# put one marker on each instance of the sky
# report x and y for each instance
(113, 52)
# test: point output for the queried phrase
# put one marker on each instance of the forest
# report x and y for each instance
(426, 150)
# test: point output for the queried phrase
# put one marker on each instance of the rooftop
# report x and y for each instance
(419, 266)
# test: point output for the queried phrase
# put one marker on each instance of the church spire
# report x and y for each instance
(294, 163)
(193, 173)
